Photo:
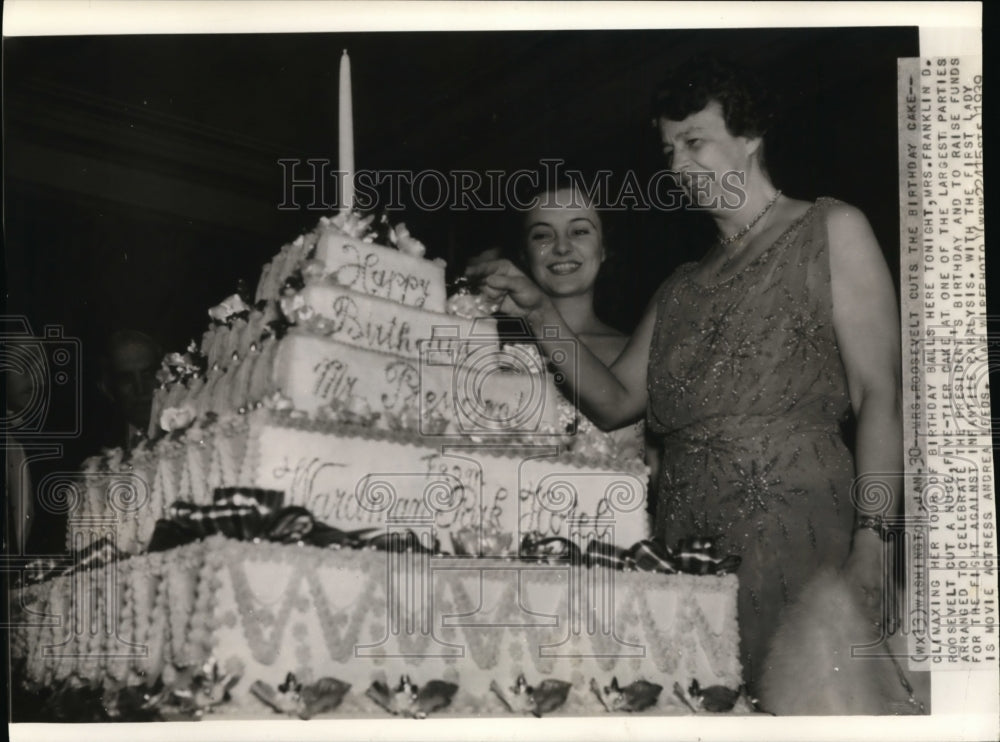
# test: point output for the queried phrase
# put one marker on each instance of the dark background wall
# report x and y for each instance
(142, 177)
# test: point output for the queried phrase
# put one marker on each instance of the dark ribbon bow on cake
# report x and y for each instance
(258, 514)
(250, 514)
(697, 556)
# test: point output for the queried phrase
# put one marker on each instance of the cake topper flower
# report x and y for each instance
(350, 223)
(405, 242)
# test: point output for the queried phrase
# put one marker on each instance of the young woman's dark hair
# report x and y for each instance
(546, 188)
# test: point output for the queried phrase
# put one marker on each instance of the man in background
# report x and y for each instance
(129, 364)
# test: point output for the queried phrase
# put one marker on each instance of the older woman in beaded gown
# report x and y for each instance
(747, 361)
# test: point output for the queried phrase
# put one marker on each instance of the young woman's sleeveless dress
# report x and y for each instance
(747, 389)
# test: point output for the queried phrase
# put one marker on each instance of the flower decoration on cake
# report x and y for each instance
(490, 541)
(293, 283)
(408, 699)
(133, 703)
(313, 269)
(114, 458)
(177, 418)
(434, 421)
(302, 700)
(181, 366)
(405, 242)
(543, 698)
(466, 303)
(191, 691)
(636, 696)
(406, 417)
(350, 223)
(353, 410)
(228, 308)
(593, 443)
(715, 698)
(295, 309)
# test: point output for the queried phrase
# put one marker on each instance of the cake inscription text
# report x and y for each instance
(333, 380)
(364, 274)
(393, 337)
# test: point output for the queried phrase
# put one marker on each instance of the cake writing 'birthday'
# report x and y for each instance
(392, 336)
(364, 274)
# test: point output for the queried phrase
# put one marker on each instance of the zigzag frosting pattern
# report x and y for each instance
(257, 606)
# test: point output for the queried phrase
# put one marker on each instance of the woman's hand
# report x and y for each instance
(502, 283)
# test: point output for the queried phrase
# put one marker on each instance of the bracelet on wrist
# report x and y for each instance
(871, 523)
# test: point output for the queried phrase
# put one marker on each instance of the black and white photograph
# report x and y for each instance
(384, 374)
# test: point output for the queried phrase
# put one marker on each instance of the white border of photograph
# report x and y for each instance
(965, 704)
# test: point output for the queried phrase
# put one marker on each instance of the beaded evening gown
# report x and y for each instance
(747, 389)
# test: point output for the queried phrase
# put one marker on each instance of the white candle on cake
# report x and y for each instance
(345, 161)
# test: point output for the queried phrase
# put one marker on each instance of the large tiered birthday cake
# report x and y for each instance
(353, 481)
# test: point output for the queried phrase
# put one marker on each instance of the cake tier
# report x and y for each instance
(353, 477)
(312, 372)
(359, 265)
(263, 610)
(430, 395)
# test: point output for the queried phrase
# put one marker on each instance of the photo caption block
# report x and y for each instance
(951, 619)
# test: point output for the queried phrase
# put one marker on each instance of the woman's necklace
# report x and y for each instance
(737, 236)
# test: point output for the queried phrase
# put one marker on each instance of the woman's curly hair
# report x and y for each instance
(747, 107)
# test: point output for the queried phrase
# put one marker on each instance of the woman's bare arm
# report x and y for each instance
(866, 322)
(611, 397)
